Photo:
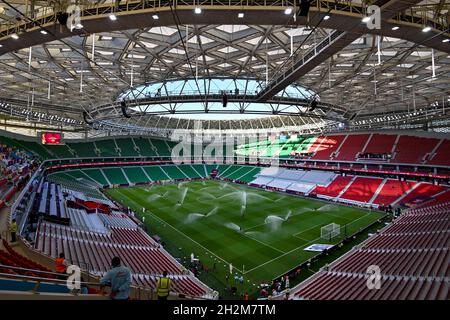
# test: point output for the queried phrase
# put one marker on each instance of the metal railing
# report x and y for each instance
(136, 292)
(47, 15)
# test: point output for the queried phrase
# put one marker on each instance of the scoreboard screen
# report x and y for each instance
(54, 138)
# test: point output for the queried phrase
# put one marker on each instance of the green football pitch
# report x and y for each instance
(262, 234)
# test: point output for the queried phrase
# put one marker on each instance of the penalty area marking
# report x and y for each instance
(301, 247)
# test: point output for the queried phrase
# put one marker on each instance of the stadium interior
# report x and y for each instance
(251, 150)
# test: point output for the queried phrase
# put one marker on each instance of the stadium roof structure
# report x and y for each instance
(194, 52)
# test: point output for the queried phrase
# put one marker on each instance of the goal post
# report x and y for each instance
(330, 231)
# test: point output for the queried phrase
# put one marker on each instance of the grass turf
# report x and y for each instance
(262, 234)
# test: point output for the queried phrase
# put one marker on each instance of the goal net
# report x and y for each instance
(330, 231)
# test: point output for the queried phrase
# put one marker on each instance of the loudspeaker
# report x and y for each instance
(85, 118)
(313, 105)
(304, 8)
(123, 106)
(62, 17)
(224, 100)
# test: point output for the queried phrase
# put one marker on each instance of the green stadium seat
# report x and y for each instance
(126, 147)
(155, 173)
(136, 174)
(107, 148)
(83, 149)
(96, 175)
(115, 175)
(145, 148)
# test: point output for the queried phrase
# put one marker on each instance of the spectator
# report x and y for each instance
(119, 279)
(61, 266)
(13, 230)
(163, 287)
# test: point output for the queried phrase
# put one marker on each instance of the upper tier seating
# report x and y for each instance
(145, 148)
(328, 145)
(107, 148)
(380, 143)
(127, 147)
(351, 147)
(442, 155)
(411, 149)
(408, 149)
(83, 149)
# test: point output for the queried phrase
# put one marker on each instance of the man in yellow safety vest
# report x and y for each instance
(163, 287)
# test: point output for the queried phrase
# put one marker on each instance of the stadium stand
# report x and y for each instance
(327, 147)
(361, 189)
(412, 254)
(127, 147)
(441, 156)
(83, 149)
(92, 238)
(351, 147)
(380, 144)
(421, 193)
(334, 188)
(392, 190)
(411, 149)
(95, 250)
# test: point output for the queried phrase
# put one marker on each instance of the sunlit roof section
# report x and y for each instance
(213, 86)
(232, 28)
(165, 31)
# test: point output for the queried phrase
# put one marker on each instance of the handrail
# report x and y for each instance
(42, 279)
(2, 266)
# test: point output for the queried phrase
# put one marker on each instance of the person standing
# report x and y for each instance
(119, 279)
(13, 230)
(61, 266)
(163, 287)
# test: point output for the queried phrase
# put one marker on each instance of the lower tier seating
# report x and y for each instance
(362, 189)
(94, 251)
(344, 286)
(334, 188)
(412, 254)
(392, 190)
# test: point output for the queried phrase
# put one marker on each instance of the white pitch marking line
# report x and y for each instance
(162, 221)
(304, 246)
